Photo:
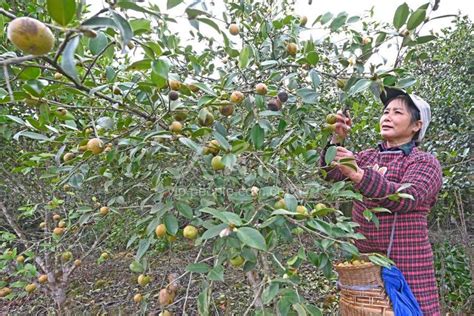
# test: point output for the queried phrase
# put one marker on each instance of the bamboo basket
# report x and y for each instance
(362, 292)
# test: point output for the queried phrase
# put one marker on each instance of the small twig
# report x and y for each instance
(7, 82)
(17, 60)
(95, 60)
(191, 277)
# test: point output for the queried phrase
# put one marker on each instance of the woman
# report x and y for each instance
(379, 173)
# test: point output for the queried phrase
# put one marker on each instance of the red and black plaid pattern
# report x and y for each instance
(411, 249)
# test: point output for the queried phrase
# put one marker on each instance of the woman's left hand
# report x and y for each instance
(353, 172)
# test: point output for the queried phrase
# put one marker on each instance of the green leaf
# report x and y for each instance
(123, 26)
(330, 154)
(416, 18)
(191, 144)
(291, 202)
(61, 11)
(252, 238)
(315, 78)
(257, 135)
(309, 96)
(214, 231)
(406, 82)
(143, 246)
(270, 292)
(160, 69)
(313, 310)
(244, 57)
(97, 44)
(401, 15)
(100, 21)
(216, 274)
(299, 309)
(31, 135)
(173, 3)
(198, 267)
(229, 160)
(406, 196)
(404, 186)
(349, 248)
(209, 22)
(16, 119)
(136, 267)
(184, 209)
(68, 63)
(222, 141)
(312, 58)
(171, 223)
(425, 39)
(361, 85)
(204, 87)
(339, 21)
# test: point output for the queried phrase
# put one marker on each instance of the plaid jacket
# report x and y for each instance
(385, 170)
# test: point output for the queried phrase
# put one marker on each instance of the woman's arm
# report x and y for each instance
(424, 174)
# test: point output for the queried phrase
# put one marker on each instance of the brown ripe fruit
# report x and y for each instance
(190, 232)
(165, 297)
(68, 156)
(56, 217)
(174, 84)
(77, 262)
(30, 288)
(42, 225)
(282, 96)
(20, 259)
(234, 29)
(213, 147)
(104, 210)
(143, 280)
(30, 36)
(237, 97)
(173, 95)
(62, 224)
(137, 298)
(261, 88)
(58, 231)
(5, 291)
(227, 110)
(58, 76)
(331, 118)
(193, 88)
(292, 48)
(95, 145)
(43, 278)
(274, 105)
(165, 313)
(366, 40)
(160, 230)
(176, 127)
(303, 20)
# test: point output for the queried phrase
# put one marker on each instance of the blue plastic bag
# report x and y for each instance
(403, 301)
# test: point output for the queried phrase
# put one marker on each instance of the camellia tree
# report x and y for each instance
(216, 140)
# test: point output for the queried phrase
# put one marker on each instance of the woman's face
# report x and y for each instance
(395, 123)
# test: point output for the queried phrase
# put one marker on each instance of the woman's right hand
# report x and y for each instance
(343, 125)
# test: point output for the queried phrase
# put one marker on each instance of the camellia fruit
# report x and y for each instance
(205, 118)
(20, 259)
(237, 97)
(58, 76)
(302, 210)
(227, 110)
(292, 48)
(165, 313)
(176, 127)
(104, 256)
(56, 217)
(160, 230)
(68, 156)
(5, 291)
(62, 224)
(165, 297)
(212, 147)
(282, 96)
(58, 231)
(274, 105)
(137, 298)
(234, 29)
(77, 262)
(66, 256)
(190, 232)
(30, 288)
(331, 118)
(173, 95)
(42, 225)
(217, 163)
(303, 20)
(143, 280)
(280, 204)
(104, 210)
(180, 115)
(261, 89)
(95, 145)
(237, 261)
(43, 278)
(174, 84)
(30, 35)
